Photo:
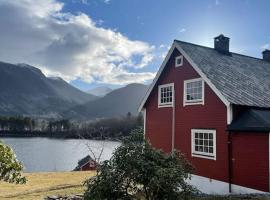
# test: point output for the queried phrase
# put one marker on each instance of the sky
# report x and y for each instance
(92, 43)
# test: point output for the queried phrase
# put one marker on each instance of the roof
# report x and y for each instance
(242, 80)
(82, 162)
(235, 78)
(252, 120)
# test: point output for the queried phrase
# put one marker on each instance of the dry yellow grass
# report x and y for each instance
(40, 185)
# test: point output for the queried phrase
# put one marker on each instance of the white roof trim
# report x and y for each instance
(199, 71)
(194, 65)
(157, 76)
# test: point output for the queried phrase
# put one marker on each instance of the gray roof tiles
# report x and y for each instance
(243, 80)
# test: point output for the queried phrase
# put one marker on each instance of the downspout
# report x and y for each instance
(144, 123)
(173, 121)
(230, 161)
(229, 120)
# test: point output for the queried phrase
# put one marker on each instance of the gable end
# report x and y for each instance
(196, 68)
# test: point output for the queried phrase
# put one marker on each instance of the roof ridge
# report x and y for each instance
(260, 59)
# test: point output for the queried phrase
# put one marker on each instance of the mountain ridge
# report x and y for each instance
(100, 91)
(25, 90)
(116, 103)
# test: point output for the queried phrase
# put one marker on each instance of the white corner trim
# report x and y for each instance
(197, 102)
(212, 186)
(229, 114)
(162, 105)
(199, 71)
(181, 63)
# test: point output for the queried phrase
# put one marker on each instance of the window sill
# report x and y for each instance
(179, 65)
(193, 103)
(203, 156)
(165, 105)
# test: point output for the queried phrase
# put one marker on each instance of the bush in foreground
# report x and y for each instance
(10, 167)
(137, 171)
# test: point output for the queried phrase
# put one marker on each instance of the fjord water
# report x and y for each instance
(47, 155)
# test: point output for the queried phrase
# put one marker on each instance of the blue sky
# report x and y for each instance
(115, 42)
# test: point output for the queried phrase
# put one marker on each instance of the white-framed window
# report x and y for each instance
(194, 91)
(165, 95)
(203, 143)
(179, 61)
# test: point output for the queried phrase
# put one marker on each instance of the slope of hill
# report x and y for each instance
(25, 90)
(100, 91)
(116, 103)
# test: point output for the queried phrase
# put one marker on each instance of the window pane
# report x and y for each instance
(166, 94)
(194, 90)
(204, 142)
(201, 148)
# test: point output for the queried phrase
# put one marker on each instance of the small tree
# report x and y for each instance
(138, 171)
(10, 167)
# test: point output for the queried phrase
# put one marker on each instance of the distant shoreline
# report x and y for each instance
(61, 135)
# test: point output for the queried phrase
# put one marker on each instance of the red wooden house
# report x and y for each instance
(214, 106)
(86, 164)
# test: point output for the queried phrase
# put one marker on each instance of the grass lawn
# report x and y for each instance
(40, 185)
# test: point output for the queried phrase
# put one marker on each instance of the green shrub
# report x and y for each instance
(138, 171)
(10, 167)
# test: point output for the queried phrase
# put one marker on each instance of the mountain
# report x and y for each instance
(117, 103)
(25, 90)
(100, 91)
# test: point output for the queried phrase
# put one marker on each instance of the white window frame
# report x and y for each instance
(162, 105)
(181, 63)
(196, 101)
(194, 153)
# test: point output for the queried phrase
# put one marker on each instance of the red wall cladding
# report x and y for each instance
(211, 115)
(250, 155)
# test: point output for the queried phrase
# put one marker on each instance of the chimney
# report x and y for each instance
(266, 55)
(222, 44)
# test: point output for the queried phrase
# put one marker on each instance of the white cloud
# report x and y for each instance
(69, 45)
(87, 2)
(161, 46)
(182, 30)
(266, 46)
